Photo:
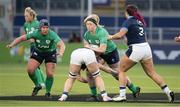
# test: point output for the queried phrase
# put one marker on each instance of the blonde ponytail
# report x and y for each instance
(95, 17)
(31, 12)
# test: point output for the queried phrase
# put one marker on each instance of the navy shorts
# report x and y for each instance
(31, 49)
(129, 51)
(44, 56)
(112, 57)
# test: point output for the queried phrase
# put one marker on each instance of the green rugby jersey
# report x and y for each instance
(44, 43)
(30, 27)
(100, 38)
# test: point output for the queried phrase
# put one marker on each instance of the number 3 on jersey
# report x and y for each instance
(141, 32)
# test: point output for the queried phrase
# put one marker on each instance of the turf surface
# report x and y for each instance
(16, 87)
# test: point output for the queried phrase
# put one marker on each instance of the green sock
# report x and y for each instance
(40, 76)
(33, 77)
(49, 83)
(132, 87)
(93, 91)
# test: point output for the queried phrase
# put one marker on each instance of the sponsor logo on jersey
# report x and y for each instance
(43, 46)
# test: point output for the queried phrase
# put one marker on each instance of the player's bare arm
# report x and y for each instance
(100, 49)
(61, 48)
(118, 35)
(86, 44)
(17, 41)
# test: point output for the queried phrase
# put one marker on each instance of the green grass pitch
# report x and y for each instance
(14, 81)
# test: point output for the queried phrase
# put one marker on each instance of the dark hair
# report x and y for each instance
(44, 22)
(132, 10)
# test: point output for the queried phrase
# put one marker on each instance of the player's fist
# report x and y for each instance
(110, 37)
(9, 46)
(177, 38)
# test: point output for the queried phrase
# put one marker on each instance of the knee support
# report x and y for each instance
(72, 75)
(95, 74)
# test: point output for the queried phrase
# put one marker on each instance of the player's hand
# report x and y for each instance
(9, 46)
(110, 37)
(177, 38)
(87, 46)
(59, 54)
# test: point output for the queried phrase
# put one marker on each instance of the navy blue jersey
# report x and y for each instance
(135, 31)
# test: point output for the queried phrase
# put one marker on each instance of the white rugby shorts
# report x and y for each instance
(138, 52)
(82, 56)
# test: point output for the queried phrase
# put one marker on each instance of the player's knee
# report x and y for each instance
(50, 74)
(72, 75)
(30, 70)
(95, 74)
(90, 77)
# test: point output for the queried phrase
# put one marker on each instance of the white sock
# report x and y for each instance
(43, 85)
(64, 96)
(122, 92)
(166, 90)
(104, 94)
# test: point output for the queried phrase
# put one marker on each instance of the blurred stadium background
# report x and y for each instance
(162, 16)
(66, 17)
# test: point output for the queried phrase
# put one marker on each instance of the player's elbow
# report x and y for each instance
(22, 38)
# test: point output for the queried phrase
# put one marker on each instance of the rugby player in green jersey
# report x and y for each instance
(48, 46)
(30, 26)
(106, 49)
